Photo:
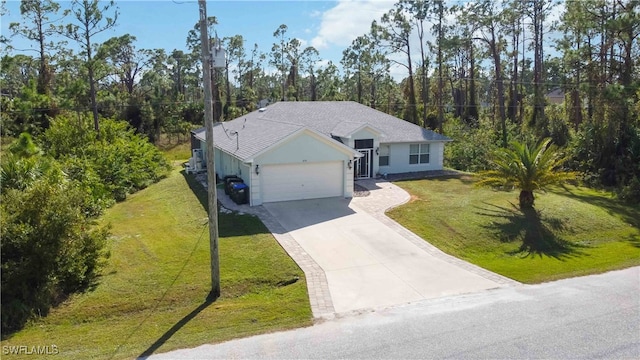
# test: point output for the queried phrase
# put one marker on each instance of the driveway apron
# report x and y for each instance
(370, 263)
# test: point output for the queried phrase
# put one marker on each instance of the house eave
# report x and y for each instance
(417, 141)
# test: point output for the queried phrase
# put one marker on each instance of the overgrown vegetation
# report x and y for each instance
(599, 157)
(49, 247)
(50, 199)
(114, 162)
(152, 295)
(471, 145)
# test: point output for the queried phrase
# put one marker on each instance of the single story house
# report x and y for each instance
(306, 150)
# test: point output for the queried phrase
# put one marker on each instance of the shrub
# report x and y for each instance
(118, 162)
(558, 129)
(631, 192)
(49, 247)
(28, 112)
(48, 250)
(605, 160)
(470, 148)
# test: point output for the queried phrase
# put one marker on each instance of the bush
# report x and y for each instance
(470, 148)
(81, 171)
(49, 246)
(606, 161)
(118, 162)
(631, 192)
(48, 250)
(558, 129)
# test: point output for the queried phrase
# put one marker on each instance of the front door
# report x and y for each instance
(363, 164)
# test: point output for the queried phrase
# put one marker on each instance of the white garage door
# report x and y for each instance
(301, 181)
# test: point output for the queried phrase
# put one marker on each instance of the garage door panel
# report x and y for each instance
(301, 181)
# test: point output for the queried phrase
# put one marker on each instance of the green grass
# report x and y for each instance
(151, 297)
(573, 231)
(175, 148)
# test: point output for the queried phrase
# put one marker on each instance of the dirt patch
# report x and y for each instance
(467, 178)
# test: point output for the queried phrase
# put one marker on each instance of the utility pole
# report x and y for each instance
(211, 170)
(284, 76)
(440, 76)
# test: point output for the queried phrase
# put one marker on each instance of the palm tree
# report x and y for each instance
(526, 168)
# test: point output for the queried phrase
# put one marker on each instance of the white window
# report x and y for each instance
(383, 159)
(419, 154)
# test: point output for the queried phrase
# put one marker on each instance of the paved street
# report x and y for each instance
(589, 317)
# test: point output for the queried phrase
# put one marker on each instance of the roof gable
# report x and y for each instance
(306, 131)
(347, 129)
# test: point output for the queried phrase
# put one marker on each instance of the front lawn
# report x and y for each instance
(152, 296)
(574, 231)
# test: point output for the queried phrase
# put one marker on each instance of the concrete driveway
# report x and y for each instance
(369, 262)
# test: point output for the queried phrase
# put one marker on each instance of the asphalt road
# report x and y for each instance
(585, 318)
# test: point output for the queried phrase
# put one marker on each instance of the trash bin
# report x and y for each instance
(229, 181)
(240, 193)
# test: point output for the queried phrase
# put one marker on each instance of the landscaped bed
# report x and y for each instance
(152, 296)
(574, 230)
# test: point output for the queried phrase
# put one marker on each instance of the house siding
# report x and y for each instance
(399, 158)
(348, 181)
(227, 164)
(301, 149)
(255, 197)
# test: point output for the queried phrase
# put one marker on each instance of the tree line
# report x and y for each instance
(478, 64)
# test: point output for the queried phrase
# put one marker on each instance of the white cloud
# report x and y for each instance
(322, 64)
(303, 43)
(348, 20)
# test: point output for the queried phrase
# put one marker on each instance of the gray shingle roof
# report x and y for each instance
(247, 136)
(346, 128)
(253, 133)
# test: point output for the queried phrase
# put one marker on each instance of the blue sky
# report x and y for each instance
(330, 26)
